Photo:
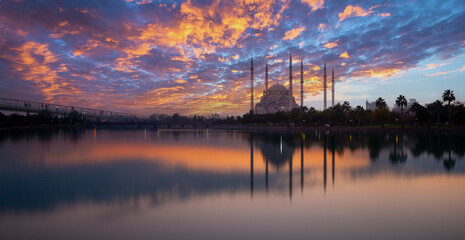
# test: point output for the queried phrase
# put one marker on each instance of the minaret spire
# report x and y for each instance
(332, 87)
(301, 83)
(290, 72)
(324, 87)
(251, 84)
(266, 76)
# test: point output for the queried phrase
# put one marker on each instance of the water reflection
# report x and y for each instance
(35, 180)
(41, 171)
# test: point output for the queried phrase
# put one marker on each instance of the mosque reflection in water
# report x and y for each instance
(55, 167)
(207, 184)
(278, 150)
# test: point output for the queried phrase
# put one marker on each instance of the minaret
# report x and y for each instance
(251, 84)
(301, 83)
(290, 73)
(332, 88)
(266, 77)
(324, 87)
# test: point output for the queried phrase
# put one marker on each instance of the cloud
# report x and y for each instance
(135, 58)
(462, 68)
(181, 81)
(314, 4)
(330, 45)
(353, 11)
(439, 73)
(344, 55)
(293, 33)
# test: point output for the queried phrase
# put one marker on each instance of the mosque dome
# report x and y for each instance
(276, 98)
(278, 89)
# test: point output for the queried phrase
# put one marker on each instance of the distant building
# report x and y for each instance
(370, 105)
(411, 101)
(277, 97)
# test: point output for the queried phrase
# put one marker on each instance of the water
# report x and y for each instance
(208, 184)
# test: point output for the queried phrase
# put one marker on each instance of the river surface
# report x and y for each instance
(212, 184)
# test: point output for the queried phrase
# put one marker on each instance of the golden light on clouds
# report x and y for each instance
(80, 54)
(330, 45)
(353, 11)
(314, 4)
(344, 55)
(293, 33)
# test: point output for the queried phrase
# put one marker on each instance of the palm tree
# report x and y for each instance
(401, 102)
(448, 96)
(346, 108)
(358, 110)
(380, 102)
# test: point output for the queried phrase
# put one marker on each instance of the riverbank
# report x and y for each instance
(364, 129)
(257, 128)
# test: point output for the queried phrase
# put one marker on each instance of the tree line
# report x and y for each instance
(437, 113)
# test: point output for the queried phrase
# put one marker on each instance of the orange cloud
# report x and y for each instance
(201, 31)
(344, 55)
(353, 11)
(35, 62)
(314, 4)
(379, 73)
(434, 66)
(440, 73)
(330, 45)
(322, 27)
(293, 33)
(180, 81)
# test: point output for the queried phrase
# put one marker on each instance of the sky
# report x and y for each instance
(193, 57)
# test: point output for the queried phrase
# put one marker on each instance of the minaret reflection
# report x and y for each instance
(324, 162)
(333, 146)
(266, 173)
(251, 164)
(302, 163)
(277, 151)
(290, 178)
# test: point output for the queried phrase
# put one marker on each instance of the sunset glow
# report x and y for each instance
(192, 57)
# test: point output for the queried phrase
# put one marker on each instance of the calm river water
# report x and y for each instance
(211, 184)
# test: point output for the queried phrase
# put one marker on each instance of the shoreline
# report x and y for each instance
(340, 128)
(252, 128)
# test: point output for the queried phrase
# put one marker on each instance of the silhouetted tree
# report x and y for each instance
(448, 96)
(358, 112)
(421, 114)
(381, 114)
(401, 102)
(380, 102)
(435, 108)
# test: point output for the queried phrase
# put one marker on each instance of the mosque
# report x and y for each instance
(278, 97)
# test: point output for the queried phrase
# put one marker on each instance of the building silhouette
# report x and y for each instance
(279, 98)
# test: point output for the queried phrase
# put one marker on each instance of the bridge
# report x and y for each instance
(29, 107)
